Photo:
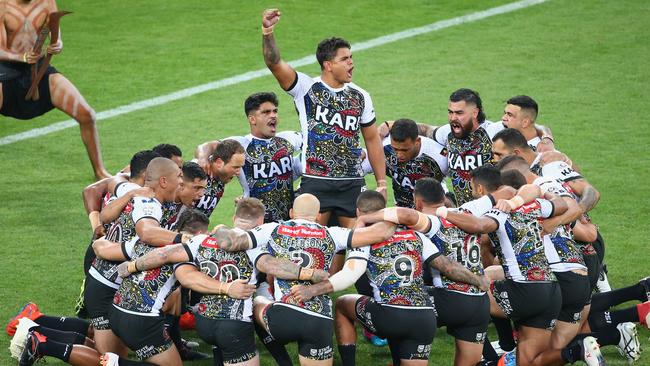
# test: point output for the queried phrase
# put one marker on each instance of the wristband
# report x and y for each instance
(381, 183)
(390, 215)
(387, 125)
(423, 222)
(305, 274)
(178, 238)
(94, 219)
(441, 212)
(131, 267)
(25, 57)
(267, 31)
(548, 137)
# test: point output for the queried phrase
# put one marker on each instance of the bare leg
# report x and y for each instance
(563, 333)
(67, 98)
(107, 341)
(344, 319)
(347, 222)
(167, 358)
(324, 218)
(533, 348)
(467, 353)
(83, 356)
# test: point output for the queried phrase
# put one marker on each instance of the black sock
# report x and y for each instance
(607, 336)
(489, 354)
(174, 329)
(217, 355)
(348, 353)
(277, 350)
(572, 352)
(55, 349)
(59, 336)
(394, 351)
(602, 320)
(504, 330)
(126, 362)
(63, 323)
(605, 300)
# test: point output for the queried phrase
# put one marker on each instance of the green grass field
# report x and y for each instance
(584, 61)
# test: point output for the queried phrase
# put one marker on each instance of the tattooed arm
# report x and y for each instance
(156, 258)
(284, 74)
(287, 270)
(457, 272)
(231, 240)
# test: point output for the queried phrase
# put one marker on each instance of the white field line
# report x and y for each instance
(307, 60)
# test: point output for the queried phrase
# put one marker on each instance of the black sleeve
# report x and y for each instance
(295, 81)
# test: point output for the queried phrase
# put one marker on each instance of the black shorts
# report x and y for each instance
(466, 316)
(16, 80)
(590, 256)
(530, 304)
(413, 329)
(339, 196)
(235, 338)
(313, 333)
(576, 293)
(147, 336)
(599, 246)
(98, 299)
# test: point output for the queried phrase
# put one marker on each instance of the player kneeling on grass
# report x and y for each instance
(401, 310)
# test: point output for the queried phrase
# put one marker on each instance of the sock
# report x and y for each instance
(600, 320)
(605, 300)
(64, 324)
(642, 311)
(504, 330)
(489, 354)
(347, 353)
(55, 349)
(608, 336)
(277, 350)
(126, 362)
(217, 355)
(59, 336)
(174, 330)
(572, 352)
(394, 351)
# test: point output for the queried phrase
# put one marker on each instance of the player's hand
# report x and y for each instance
(214, 230)
(302, 293)
(123, 270)
(383, 129)
(551, 156)
(31, 57)
(56, 48)
(381, 188)
(98, 232)
(503, 205)
(319, 275)
(270, 17)
(548, 228)
(143, 192)
(237, 199)
(240, 289)
(545, 145)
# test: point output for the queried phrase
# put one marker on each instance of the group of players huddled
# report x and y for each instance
(511, 242)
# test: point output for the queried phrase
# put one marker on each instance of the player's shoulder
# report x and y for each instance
(353, 86)
(430, 146)
(492, 128)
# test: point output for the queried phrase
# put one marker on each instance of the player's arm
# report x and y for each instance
(287, 270)
(283, 72)
(458, 272)
(150, 232)
(376, 156)
(588, 195)
(571, 214)
(346, 277)
(156, 258)
(231, 240)
(92, 197)
(108, 250)
(547, 143)
(468, 223)
(203, 151)
(394, 215)
(525, 194)
(375, 233)
(585, 231)
(113, 210)
(192, 278)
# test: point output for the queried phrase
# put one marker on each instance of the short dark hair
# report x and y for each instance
(525, 103)
(513, 178)
(512, 138)
(429, 190)
(139, 162)
(192, 171)
(167, 150)
(254, 101)
(250, 208)
(225, 150)
(513, 162)
(193, 221)
(370, 201)
(469, 96)
(404, 129)
(326, 50)
(488, 176)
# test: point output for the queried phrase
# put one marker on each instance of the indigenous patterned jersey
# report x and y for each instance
(429, 163)
(225, 267)
(459, 246)
(308, 244)
(395, 268)
(519, 244)
(213, 193)
(467, 154)
(171, 212)
(269, 171)
(331, 121)
(121, 231)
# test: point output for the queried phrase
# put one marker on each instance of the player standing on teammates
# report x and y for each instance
(410, 157)
(332, 112)
(20, 22)
(270, 167)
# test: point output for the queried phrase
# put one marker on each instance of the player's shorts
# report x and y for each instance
(590, 256)
(147, 336)
(466, 316)
(287, 323)
(412, 329)
(339, 196)
(16, 78)
(98, 299)
(576, 293)
(599, 245)
(531, 304)
(235, 338)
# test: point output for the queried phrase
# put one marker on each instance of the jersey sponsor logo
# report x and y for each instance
(301, 232)
(332, 118)
(465, 162)
(207, 203)
(529, 207)
(272, 169)
(210, 242)
(398, 236)
(404, 182)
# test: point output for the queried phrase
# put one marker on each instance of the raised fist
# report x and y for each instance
(270, 17)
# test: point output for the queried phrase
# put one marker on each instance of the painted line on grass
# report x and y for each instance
(251, 75)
